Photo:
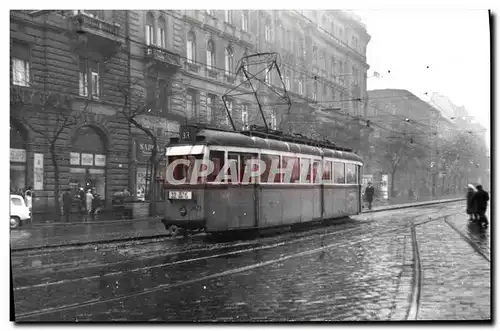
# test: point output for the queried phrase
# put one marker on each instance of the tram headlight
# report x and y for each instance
(183, 211)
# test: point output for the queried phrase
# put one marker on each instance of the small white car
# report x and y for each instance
(19, 212)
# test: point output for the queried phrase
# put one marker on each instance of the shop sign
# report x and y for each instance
(100, 160)
(40, 97)
(17, 155)
(38, 171)
(144, 150)
(74, 158)
(87, 159)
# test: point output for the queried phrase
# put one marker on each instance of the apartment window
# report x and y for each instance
(301, 88)
(20, 64)
(287, 81)
(244, 116)
(244, 21)
(191, 103)
(281, 34)
(268, 76)
(273, 121)
(315, 55)
(162, 39)
(315, 96)
(229, 16)
(229, 105)
(333, 94)
(210, 54)
(210, 106)
(354, 42)
(267, 30)
(149, 29)
(229, 60)
(89, 78)
(332, 66)
(323, 60)
(301, 48)
(191, 47)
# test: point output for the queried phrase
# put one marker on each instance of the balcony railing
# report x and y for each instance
(87, 22)
(163, 56)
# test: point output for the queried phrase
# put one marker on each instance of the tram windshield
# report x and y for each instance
(183, 171)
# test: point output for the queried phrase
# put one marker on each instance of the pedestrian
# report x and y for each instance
(28, 197)
(471, 190)
(480, 199)
(88, 203)
(369, 193)
(67, 202)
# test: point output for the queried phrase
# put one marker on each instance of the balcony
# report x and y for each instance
(162, 59)
(100, 34)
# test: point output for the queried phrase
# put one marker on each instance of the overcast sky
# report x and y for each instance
(454, 44)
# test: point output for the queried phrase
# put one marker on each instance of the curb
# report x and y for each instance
(48, 224)
(150, 237)
(80, 244)
(409, 205)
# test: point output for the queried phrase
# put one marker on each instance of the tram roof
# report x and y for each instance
(236, 139)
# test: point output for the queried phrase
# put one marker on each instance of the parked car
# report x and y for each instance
(19, 212)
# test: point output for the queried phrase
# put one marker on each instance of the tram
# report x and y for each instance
(330, 188)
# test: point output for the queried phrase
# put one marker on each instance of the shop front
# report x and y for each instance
(88, 162)
(143, 150)
(18, 170)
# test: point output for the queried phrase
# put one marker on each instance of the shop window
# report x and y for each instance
(339, 172)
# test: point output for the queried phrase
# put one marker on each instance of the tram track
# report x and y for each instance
(255, 245)
(161, 287)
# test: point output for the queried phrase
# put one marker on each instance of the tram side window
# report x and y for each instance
(327, 172)
(217, 157)
(316, 171)
(339, 172)
(295, 175)
(267, 175)
(350, 173)
(233, 157)
(246, 160)
(305, 175)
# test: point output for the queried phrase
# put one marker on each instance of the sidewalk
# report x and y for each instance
(78, 234)
(402, 202)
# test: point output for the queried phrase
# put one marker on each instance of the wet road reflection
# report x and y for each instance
(109, 280)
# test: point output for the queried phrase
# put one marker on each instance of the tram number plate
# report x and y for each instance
(180, 195)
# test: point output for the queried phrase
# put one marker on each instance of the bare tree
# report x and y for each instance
(132, 113)
(61, 120)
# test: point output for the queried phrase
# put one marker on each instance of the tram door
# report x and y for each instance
(249, 162)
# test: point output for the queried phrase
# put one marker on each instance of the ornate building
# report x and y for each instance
(76, 76)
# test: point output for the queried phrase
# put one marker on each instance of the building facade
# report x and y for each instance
(78, 76)
(66, 132)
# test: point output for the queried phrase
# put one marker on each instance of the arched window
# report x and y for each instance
(301, 47)
(244, 20)
(268, 29)
(210, 54)
(301, 88)
(150, 29)
(229, 60)
(281, 34)
(191, 47)
(161, 36)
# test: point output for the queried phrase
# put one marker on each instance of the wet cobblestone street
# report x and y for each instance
(357, 269)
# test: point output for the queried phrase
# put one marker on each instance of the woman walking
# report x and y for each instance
(471, 208)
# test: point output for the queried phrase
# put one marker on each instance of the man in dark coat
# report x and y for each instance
(369, 193)
(67, 202)
(480, 200)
